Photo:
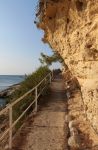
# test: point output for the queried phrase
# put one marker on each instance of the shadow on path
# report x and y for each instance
(46, 130)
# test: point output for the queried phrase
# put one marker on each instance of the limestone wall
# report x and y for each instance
(71, 28)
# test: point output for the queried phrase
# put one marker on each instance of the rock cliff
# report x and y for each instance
(71, 28)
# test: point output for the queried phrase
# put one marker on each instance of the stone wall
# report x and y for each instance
(71, 28)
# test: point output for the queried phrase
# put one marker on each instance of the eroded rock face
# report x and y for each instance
(71, 28)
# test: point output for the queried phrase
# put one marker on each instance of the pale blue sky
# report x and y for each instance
(20, 40)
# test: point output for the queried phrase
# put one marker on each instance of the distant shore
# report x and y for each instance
(9, 91)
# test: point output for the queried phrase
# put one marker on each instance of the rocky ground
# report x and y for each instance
(81, 134)
(7, 92)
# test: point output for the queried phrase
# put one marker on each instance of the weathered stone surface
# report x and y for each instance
(71, 28)
(88, 139)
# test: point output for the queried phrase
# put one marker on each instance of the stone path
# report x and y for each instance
(47, 130)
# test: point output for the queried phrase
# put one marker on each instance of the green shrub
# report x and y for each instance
(30, 82)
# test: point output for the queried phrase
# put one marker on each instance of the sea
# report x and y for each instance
(6, 81)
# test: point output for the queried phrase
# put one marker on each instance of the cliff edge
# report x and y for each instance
(71, 28)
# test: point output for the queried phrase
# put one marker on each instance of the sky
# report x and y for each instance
(20, 40)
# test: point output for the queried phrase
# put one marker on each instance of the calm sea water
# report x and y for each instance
(6, 81)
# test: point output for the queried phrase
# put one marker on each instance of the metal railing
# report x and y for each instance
(9, 108)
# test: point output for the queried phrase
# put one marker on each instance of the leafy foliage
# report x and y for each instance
(48, 60)
(30, 82)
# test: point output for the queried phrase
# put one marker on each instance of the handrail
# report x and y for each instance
(9, 108)
(19, 99)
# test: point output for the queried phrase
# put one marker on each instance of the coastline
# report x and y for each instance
(7, 92)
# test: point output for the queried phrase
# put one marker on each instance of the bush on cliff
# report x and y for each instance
(30, 82)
